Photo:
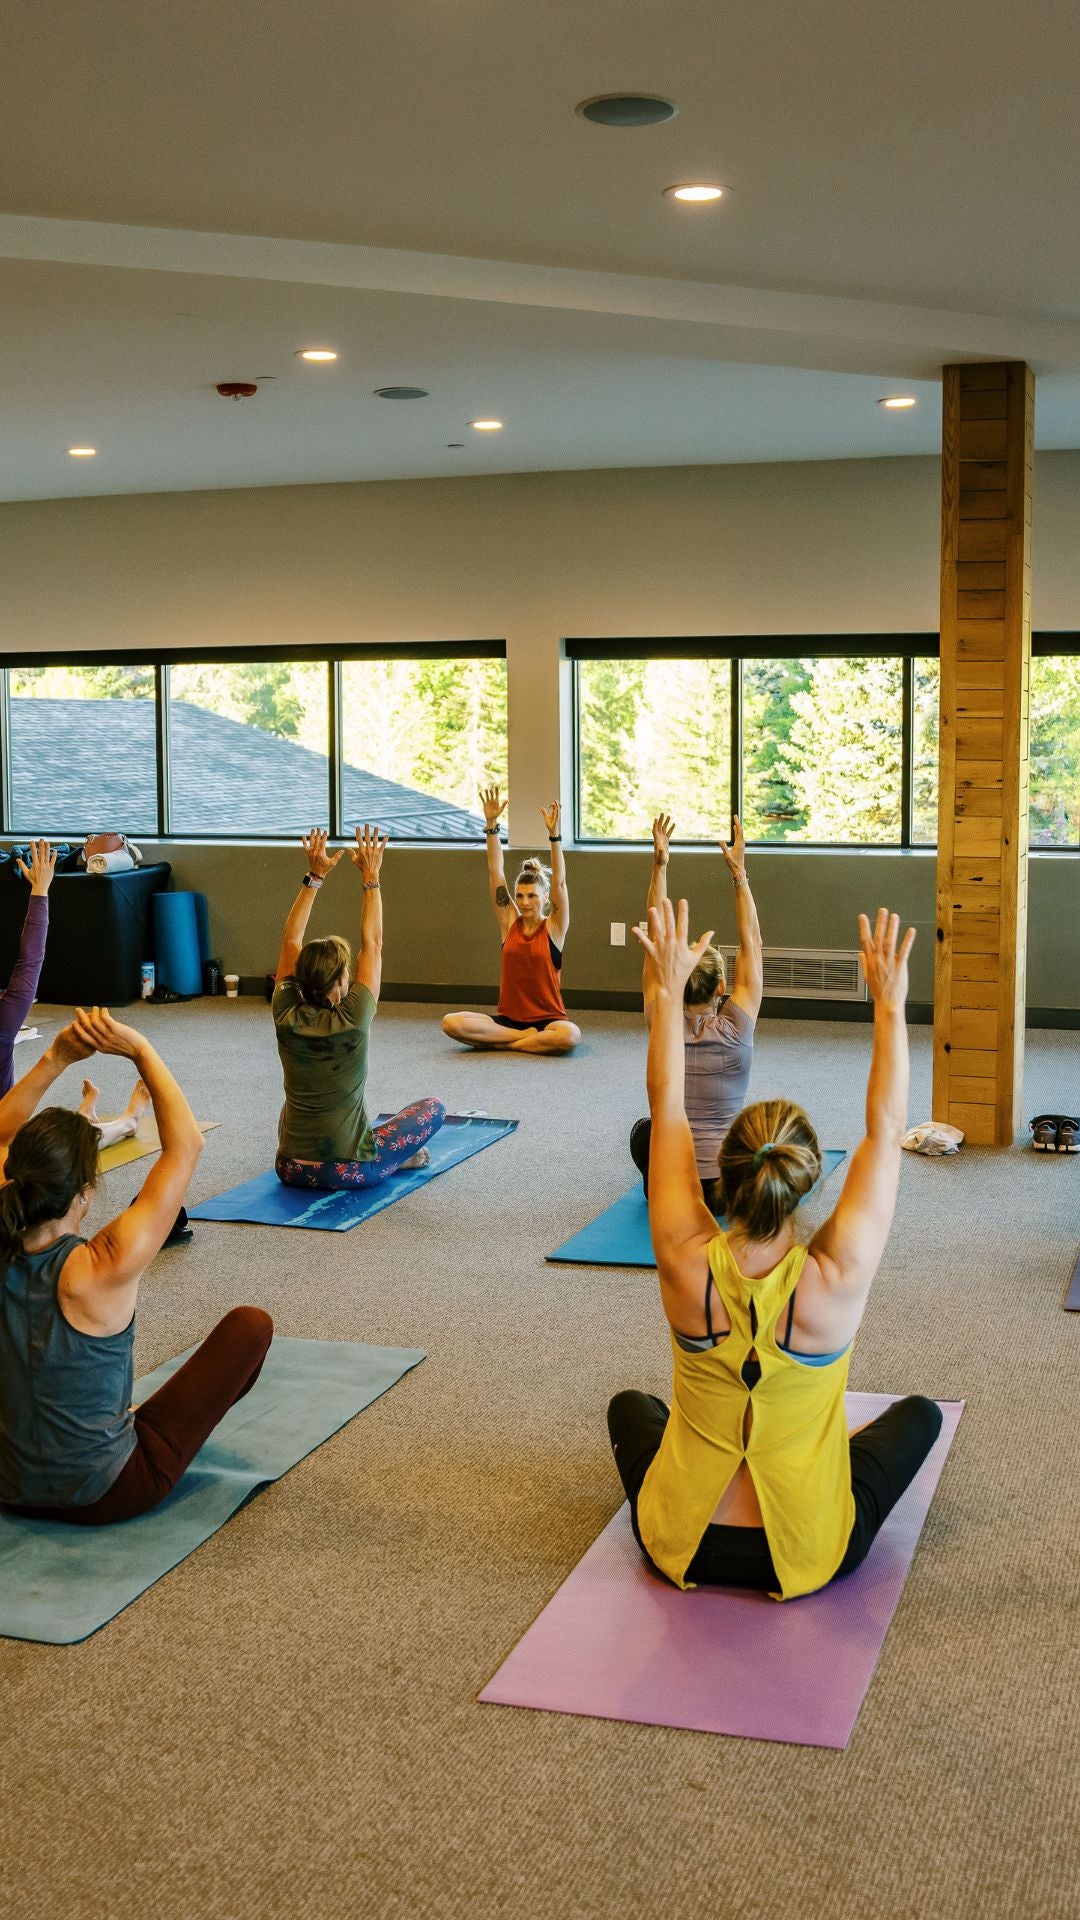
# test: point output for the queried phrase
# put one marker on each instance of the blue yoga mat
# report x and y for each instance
(620, 1237)
(265, 1202)
(181, 940)
(59, 1583)
(1072, 1294)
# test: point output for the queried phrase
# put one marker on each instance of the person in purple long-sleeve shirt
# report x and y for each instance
(18, 997)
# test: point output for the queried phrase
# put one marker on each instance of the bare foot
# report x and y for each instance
(88, 1103)
(421, 1159)
(139, 1102)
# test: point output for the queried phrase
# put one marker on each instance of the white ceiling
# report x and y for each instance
(190, 193)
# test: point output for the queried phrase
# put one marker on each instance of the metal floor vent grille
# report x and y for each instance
(807, 973)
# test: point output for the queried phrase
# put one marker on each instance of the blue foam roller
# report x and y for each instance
(177, 946)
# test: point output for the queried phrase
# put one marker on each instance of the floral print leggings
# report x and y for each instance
(396, 1141)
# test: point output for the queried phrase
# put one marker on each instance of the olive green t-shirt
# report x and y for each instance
(324, 1058)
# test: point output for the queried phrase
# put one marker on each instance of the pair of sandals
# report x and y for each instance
(1055, 1133)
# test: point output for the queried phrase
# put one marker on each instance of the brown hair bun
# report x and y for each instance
(769, 1160)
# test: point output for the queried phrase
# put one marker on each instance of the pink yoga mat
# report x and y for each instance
(618, 1643)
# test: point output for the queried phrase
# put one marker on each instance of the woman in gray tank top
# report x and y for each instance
(72, 1447)
(719, 1030)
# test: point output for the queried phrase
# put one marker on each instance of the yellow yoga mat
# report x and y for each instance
(138, 1145)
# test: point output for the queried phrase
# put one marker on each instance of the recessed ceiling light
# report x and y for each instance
(897, 401)
(317, 353)
(82, 453)
(694, 192)
(486, 426)
(626, 110)
(401, 393)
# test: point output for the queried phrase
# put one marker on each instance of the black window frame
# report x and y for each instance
(737, 649)
(161, 659)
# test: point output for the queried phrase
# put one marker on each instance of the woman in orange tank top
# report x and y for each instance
(530, 1017)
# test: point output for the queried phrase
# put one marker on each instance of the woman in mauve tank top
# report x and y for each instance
(530, 1017)
(719, 1031)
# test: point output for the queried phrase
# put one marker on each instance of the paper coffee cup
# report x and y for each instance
(232, 985)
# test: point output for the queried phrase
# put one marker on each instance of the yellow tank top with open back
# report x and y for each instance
(796, 1448)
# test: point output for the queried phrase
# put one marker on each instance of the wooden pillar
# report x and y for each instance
(979, 982)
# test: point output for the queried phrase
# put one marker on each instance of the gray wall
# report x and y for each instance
(819, 547)
(440, 930)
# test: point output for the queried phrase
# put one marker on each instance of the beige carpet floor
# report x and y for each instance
(286, 1725)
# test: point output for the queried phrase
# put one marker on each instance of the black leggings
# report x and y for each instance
(640, 1143)
(885, 1457)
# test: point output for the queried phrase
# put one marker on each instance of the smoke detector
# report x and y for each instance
(237, 389)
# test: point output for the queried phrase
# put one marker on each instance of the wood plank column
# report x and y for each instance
(979, 980)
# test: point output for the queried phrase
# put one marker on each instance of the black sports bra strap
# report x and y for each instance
(786, 1341)
(708, 1308)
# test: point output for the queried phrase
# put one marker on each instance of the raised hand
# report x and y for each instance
(320, 863)
(97, 1031)
(735, 854)
(368, 852)
(884, 965)
(672, 956)
(492, 805)
(662, 829)
(41, 869)
(550, 818)
(69, 1046)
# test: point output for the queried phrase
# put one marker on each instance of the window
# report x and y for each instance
(82, 753)
(924, 755)
(1054, 814)
(419, 737)
(248, 747)
(652, 734)
(230, 746)
(822, 750)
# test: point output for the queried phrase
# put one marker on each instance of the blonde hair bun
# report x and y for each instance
(769, 1160)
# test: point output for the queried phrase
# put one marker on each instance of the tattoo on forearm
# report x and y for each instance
(502, 898)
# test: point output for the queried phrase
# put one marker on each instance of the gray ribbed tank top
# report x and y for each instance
(718, 1066)
(65, 1425)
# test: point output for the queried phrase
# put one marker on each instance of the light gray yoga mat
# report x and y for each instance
(60, 1583)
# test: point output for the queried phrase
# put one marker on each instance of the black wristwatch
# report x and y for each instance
(311, 880)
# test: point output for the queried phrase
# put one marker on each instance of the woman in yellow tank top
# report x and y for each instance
(751, 1478)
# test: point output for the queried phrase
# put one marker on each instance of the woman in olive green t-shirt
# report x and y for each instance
(323, 1015)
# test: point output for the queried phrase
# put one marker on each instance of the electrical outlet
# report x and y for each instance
(618, 933)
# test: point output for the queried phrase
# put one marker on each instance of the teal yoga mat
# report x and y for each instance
(619, 1237)
(60, 1583)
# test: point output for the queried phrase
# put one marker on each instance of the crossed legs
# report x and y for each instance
(481, 1031)
(124, 1124)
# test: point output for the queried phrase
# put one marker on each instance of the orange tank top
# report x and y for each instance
(529, 979)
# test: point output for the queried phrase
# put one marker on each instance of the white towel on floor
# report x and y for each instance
(933, 1137)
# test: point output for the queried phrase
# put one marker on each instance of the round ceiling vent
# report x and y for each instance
(626, 110)
(402, 393)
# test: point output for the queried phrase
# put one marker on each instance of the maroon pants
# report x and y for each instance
(172, 1425)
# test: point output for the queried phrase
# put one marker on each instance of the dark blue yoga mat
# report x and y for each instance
(1072, 1294)
(265, 1202)
(60, 1583)
(620, 1237)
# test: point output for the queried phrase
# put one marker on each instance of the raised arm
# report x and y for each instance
(747, 984)
(22, 1101)
(680, 1222)
(102, 1278)
(319, 864)
(848, 1248)
(662, 829)
(505, 910)
(559, 916)
(366, 856)
(16, 1001)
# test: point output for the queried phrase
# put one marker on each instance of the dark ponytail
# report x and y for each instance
(51, 1159)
